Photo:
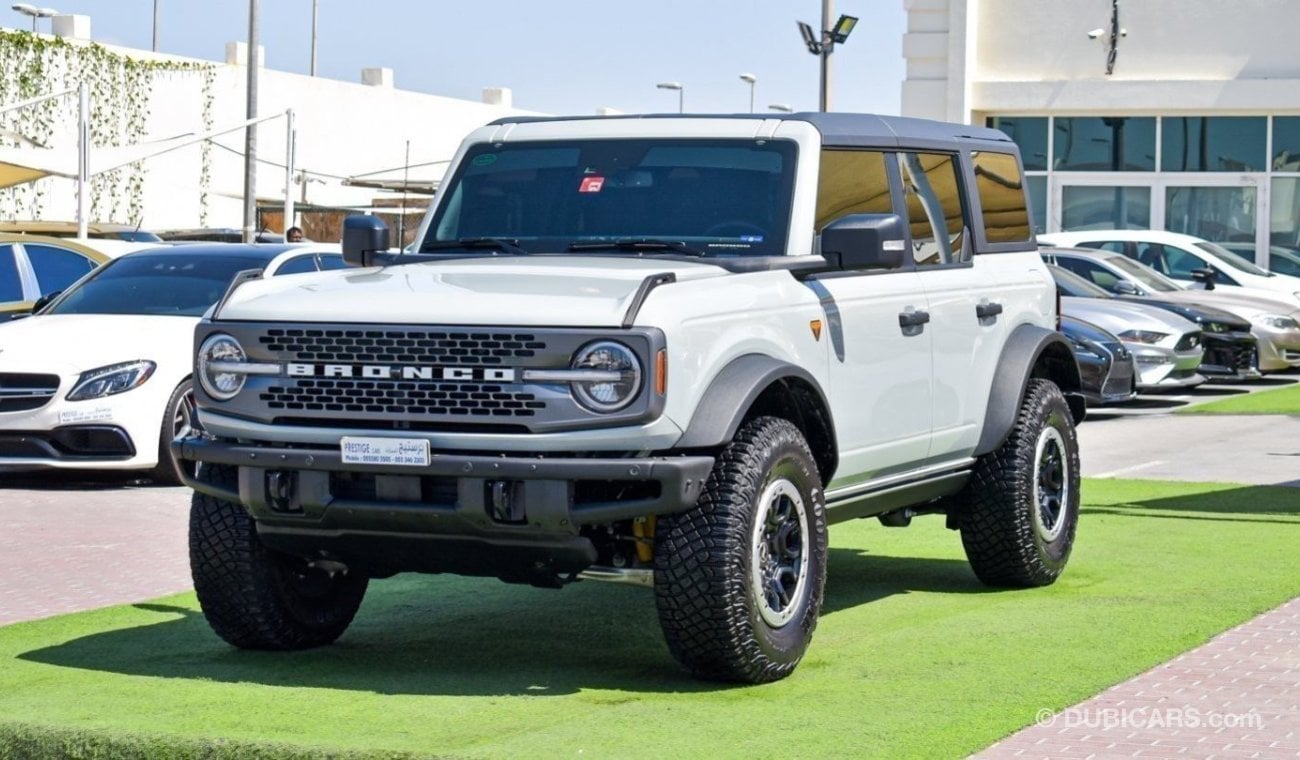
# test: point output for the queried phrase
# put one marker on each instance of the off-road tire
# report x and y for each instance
(1010, 534)
(257, 598)
(713, 619)
(181, 402)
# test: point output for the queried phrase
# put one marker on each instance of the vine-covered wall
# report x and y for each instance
(120, 89)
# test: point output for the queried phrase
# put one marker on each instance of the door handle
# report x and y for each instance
(986, 310)
(913, 318)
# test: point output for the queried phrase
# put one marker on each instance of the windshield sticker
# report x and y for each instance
(591, 184)
(485, 159)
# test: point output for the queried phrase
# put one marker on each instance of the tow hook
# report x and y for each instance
(279, 491)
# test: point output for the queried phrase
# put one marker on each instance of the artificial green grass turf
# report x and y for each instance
(913, 657)
(1279, 401)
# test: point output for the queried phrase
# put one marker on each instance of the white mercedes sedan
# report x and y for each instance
(99, 378)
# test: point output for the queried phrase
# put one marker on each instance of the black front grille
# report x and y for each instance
(402, 346)
(1236, 356)
(400, 397)
(21, 392)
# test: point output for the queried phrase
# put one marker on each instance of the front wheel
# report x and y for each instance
(739, 578)
(1019, 511)
(257, 598)
(180, 419)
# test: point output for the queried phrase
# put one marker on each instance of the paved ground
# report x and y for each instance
(74, 542)
(1236, 697)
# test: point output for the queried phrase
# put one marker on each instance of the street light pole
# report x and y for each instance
(681, 93)
(822, 43)
(751, 79)
(155, 26)
(250, 132)
(826, 56)
(315, 11)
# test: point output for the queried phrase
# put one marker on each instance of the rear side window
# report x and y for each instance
(56, 268)
(298, 265)
(11, 287)
(1002, 197)
(851, 182)
(932, 192)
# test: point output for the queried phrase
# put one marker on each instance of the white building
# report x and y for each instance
(1170, 114)
(349, 134)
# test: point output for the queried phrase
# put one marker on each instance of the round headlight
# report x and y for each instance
(221, 386)
(621, 378)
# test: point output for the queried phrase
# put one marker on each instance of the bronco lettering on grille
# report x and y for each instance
(391, 372)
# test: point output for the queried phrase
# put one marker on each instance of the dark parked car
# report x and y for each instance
(1231, 352)
(1106, 368)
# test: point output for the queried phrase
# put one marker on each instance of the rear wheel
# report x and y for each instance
(257, 598)
(1020, 509)
(739, 578)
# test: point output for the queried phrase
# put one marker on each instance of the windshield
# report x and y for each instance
(1144, 274)
(1072, 284)
(1234, 260)
(134, 236)
(172, 285)
(715, 196)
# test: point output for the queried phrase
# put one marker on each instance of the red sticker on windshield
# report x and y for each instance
(591, 184)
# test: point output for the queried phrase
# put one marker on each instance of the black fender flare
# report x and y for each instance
(1031, 351)
(733, 392)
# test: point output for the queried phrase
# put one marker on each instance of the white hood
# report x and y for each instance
(578, 291)
(73, 343)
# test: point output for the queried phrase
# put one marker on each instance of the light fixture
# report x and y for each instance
(822, 44)
(810, 38)
(36, 13)
(681, 93)
(843, 28)
(751, 79)
(782, 107)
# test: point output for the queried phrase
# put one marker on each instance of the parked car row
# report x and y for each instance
(100, 377)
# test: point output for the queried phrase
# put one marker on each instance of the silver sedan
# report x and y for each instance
(1166, 347)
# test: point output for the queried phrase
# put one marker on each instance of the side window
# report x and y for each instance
(298, 265)
(330, 261)
(56, 268)
(932, 193)
(1179, 263)
(1002, 197)
(851, 182)
(1114, 246)
(11, 286)
(1094, 273)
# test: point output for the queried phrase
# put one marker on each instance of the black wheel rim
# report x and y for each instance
(779, 553)
(1051, 484)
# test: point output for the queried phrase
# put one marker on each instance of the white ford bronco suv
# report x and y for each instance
(668, 351)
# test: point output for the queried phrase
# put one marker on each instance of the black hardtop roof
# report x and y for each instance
(262, 252)
(842, 129)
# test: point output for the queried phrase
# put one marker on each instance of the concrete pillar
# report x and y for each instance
(72, 26)
(377, 77)
(498, 96)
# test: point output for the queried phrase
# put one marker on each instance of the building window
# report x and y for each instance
(1037, 186)
(1213, 143)
(1105, 207)
(1220, 214)
(934, 212)
(1107, 143)
(1286, 143)
(1028, 132)
(851, 182)
(1002, 197)
(1284, 212)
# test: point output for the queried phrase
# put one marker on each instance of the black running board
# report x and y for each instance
(873, 503)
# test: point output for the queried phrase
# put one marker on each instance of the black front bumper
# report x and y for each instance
(518, 518)
(72, 443)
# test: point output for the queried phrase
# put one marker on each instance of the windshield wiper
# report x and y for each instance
(500, 244)
(637, 244)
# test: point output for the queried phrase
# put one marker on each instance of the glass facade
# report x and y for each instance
(1213, 143)
(1210, 176)
(1105, 143)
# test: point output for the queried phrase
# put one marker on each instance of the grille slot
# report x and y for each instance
(402, 397)
(21, 392)
(402, 346)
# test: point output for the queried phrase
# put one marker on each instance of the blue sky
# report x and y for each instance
(562, 56)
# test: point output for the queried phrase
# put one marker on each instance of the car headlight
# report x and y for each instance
(1143, 336)
(111, 380)
(1277, 321)
(615, 376)
(220, 385)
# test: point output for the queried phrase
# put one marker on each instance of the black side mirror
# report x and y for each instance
(864, 241)
(1204, 276)
(363, 237)
(44, 301)
(1126, 288)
